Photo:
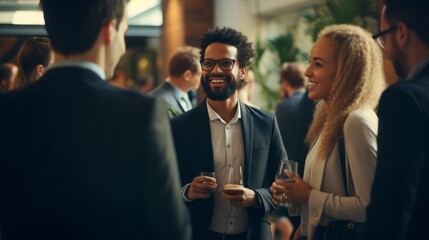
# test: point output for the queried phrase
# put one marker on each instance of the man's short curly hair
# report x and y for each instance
(231, 37)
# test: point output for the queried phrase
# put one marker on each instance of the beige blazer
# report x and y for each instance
(328, 201)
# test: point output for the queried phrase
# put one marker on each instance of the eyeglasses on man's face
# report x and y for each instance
(380, 36)
(225, 64)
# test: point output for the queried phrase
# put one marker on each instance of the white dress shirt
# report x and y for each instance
(228, 151)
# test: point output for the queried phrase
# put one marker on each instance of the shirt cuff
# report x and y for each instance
(184, 189)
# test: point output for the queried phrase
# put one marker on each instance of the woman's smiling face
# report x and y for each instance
(322, 69)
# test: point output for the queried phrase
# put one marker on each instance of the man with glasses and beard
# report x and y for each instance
(399, 200)
(240, 144)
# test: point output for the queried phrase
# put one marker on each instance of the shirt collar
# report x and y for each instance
(213, 116)
(418, 68)
(81, 64)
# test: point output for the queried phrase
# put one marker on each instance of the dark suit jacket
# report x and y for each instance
(80, 159)
(286, 114)
(166, 92)
(263, 149)
(399, 206)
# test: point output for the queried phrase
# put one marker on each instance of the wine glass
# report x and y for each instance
(281, 176)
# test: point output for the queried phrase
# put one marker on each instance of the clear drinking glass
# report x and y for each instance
(281, 175)
(235, 178)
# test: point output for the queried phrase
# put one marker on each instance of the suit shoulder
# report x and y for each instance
(260, 114)
(360, 119)
(183, 118)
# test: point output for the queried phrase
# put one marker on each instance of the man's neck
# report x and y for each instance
(227, 108)
(178, 82)
(416, 51)
(291, 91)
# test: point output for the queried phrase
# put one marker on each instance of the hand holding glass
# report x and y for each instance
(235, 179)
(281, 176)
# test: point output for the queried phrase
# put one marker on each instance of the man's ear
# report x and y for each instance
(187, 75)
(402, 34)
(108, 29)
(243, 72)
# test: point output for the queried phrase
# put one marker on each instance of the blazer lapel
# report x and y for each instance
(167, 86)
(247, 125)
(202, 123)
(318, 169)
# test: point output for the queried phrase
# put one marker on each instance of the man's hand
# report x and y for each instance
(201, 187)
(240, 196)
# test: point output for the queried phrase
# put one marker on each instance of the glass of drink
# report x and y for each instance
(210, 175)
(235, 178)
(281, 176)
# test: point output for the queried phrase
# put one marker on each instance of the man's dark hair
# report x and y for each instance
(411, 12)
(231, 37)
(73, 25)
(293, 73)
(185, 58)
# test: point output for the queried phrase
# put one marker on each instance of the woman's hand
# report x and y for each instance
(295, 192)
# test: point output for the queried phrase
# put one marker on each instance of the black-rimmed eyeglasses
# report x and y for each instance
(380, 36)
(225, 64)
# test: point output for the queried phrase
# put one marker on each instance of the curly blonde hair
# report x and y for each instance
(358, 83)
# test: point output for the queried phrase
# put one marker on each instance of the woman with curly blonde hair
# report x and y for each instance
(346, 78)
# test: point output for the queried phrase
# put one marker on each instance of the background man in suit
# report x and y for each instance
(185, 74)
(231, 136)
(399, 201)
(292, 79)
(63, 172)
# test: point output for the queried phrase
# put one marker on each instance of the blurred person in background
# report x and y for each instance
(293, 80)
(245, 89)
(184, 75)
(144, 83)
(8, 72)
(34, 57)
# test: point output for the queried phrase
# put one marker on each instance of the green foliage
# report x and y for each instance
(284, 50)
(355, 12)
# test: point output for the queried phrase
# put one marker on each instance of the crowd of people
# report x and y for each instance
(178, 169)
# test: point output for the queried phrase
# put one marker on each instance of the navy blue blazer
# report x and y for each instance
(399, 206)
(287, 118)
(81, 159)
(263, 148)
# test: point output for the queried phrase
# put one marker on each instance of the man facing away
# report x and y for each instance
(67, 169)
(240, 144)
(292, 81)
(185, 74)
(399, 200)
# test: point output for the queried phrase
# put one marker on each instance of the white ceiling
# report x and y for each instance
(27, 12)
